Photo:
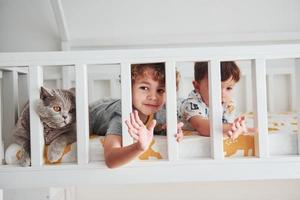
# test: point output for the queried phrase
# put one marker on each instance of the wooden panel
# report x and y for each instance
(82, 114)
(171, 110)
(260, 108)
(36, 127)
(126, 101)
(215, 109)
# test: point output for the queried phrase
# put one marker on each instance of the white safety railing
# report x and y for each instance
(173, 169)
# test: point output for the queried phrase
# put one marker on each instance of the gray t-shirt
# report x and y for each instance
(106, 117)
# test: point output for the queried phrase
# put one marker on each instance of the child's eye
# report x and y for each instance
(144, 88)
(160, 91)
(56, 108)
(229, 88)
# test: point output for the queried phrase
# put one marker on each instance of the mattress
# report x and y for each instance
(282, 141)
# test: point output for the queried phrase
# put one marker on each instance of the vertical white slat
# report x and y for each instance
(270, 92)
(249, 98)
(91, 86)
(215, 109)
(23, 91)
(35, 81)
(9, 113)
(171, 106)
(66, 77)
(126, 101)
(297, 93)
(293, 93)
(82, 114)
(114, 91)
(1, 138)
(1, 194)
(260, 108)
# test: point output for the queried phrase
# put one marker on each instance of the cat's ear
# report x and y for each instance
(73, 90)
(45, 93)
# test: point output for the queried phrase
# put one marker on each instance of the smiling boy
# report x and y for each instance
(148, 97)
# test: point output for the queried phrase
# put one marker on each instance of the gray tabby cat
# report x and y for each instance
(56, 109)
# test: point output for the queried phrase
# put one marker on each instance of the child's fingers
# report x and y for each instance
(129, 126)
(243, 118)
(229, 134)
(238, 125)
(137, 118)
(133, 122)
(179, 137)
(233, 127)
(133, 135)
(180, 125)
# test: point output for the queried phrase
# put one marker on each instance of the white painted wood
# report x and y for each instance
(114, 88)
(297, 82)
(82, 114)
(35, 82)
(271, 93)
(215, 109)
(259, 107)
(23, 91)
(249, 98)
(126, 101)
(171, 106)
(1, 194)
(188, 39)
(152, 172)
(67, 77)
(161, 171)
(150, 55)
(91, 83)
(293, 91)
(70, 193)
(60, 19)
(65, 45)
(9, 105)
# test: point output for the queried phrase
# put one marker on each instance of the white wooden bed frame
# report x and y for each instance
(261, 167)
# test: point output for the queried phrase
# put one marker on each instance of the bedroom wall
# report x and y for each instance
(28, 25)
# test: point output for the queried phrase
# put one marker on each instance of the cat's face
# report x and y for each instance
(56, 107)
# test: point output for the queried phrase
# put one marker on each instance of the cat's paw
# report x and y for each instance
(55, 151)
(24, 158)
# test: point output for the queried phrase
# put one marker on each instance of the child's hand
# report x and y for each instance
(238, 127)
(139, 132)
(179, 134)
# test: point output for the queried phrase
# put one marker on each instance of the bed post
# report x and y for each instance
(10, 100)
(297, 80)
(171, 114)
(23, 90)
(82, 114)
(214, 78)
(36, 127)
(259, 107)
(126, 100)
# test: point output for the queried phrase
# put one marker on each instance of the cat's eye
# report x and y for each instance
(56, 108)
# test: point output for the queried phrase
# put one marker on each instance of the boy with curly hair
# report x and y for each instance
(148, 97)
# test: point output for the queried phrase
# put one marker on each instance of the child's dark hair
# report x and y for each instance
(158, 74)
(229, 69)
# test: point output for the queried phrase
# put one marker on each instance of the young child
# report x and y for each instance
(148, 97)
(195, 109)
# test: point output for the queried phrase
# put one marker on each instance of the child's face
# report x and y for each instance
(148, 95)
(226, 88)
